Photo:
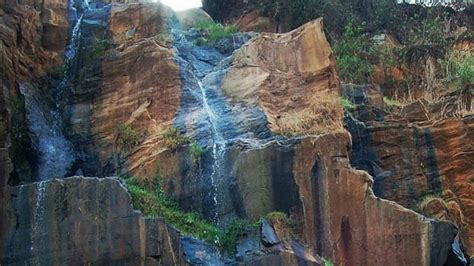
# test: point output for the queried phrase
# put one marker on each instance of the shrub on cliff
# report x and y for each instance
(352, 55)
(173, 139)
(127, 137)
(212, 32)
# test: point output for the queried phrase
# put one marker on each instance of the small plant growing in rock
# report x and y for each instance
(346, 103)
(212, 32)
(173, 139)
(55, 71)
(327, 262)
(99, 49)
(196, 152)
(278, 217)
(391, 103)
(127, 137)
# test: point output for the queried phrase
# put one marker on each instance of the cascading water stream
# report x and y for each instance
(218, 147)
(54, 151)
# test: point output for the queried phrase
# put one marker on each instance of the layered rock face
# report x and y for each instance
(84, 220)
(241, 106)
(412, 156)
(33, 35)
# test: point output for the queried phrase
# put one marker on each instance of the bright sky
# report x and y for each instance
(182, 4)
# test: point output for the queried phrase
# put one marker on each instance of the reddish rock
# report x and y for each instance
(254, 21)
(412, 154)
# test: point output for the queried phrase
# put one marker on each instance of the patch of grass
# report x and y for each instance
(322, 115)
(327, 262)
(149, 197)
(173, 139)
(212, 32)
(278, 217)
(127, 136)
(196, 152)
(424, 201)
(391, 103)
(346, 103)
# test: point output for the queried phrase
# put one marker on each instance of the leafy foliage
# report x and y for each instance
(196, 152)
(212, 32)
(127, 137)
(459, 69)
(352, 53)
(173, 139)
(346, 103)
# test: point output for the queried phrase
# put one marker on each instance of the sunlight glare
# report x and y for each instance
(178, 5)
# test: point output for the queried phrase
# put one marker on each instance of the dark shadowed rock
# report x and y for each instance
(79, 221)
(269, 237)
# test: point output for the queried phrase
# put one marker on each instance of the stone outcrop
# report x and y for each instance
(416, 152)
(79, 221)
(292, 77)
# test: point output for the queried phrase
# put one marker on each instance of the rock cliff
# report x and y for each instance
(260, 129)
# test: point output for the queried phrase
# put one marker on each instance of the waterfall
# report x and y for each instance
(218, 148)
(55, 153)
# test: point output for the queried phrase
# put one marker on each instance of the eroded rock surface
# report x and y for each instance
(412, 154)
(292, 77)
(84, 220)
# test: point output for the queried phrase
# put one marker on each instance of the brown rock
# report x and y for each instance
(412, 156)
(141, 88)
(136, 21)
(254, 21)
(292, 77)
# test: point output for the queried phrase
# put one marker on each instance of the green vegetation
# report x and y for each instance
(196, 152)
(99, 49)
(212, 32)
(55, 71)
(127, 137)
(352, 53)
(149, 197)
(391, 103)
(346, 103)
(327, 262)
(279, 216)
(173, 139)
(459, 69)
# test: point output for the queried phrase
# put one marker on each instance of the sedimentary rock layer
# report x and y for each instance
(412, 155)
